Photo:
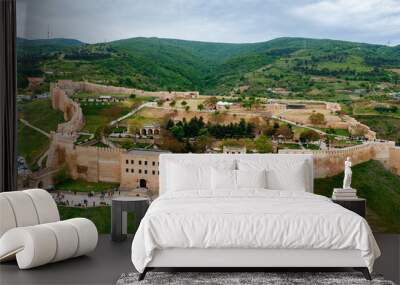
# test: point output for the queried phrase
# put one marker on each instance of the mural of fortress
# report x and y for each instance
(331, 162)
(137, 168)
(131, 169)
(71, 87)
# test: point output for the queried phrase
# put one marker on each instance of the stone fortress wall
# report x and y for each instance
(72, 87)
(132, 169)
(99, 164)
(331, 162)
(394, 160)
(347, 122)
(96, 164)
(72, 111)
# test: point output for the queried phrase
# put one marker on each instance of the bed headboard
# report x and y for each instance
(204, 159)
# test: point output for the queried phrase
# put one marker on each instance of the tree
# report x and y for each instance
(309, 135)
(169, 124)
(99, 132)
(317, 118)
(160, 102)
(183, 103)
(187, 108)
(132, 96)
(263, 144)
(169, 142)
(134, 127)
(211, 101)
(200, 107)
(172, 103)
(201, 144)
(285, 131)
(178, 132)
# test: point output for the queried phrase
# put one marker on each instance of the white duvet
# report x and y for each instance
(250, 219)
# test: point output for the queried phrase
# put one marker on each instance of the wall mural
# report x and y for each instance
(97, 107)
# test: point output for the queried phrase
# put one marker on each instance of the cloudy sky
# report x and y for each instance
(372, 21)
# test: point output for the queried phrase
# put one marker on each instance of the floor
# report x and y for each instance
(110, 260)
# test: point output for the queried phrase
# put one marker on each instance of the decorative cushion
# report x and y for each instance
(251, 179)
(293, 179)
(223, 179)
(191, 175)
(282, 174)
(188, 177)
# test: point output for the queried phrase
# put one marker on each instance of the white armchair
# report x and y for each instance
(31, 230)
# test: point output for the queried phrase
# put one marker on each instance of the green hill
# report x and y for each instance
(27, 46)
(215, 68)
(378, 186)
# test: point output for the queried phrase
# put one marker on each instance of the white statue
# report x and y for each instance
(347, 174)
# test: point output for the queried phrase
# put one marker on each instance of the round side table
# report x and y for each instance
(119, 216)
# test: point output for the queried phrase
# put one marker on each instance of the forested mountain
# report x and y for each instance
(211, 68)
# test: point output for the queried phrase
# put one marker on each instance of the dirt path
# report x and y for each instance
(26, 123)
(148, 104)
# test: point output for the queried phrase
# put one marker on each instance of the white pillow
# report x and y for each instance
(251, 178)
(223, 179)
(294, 178)
(188, 177)
(282, 174)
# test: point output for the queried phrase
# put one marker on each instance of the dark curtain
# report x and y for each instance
(8, 119)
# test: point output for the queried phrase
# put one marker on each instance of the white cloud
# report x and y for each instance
(373, 21)
(367, 16)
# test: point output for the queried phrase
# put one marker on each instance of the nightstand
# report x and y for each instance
(120, 206)
(357, 205)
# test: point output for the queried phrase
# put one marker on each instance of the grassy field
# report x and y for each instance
(385, 127)
(40, 114)
(84, 186)
(32, 144)
(84, 95)
(311, 146)
(97, 115)
(289, 146)
(100, 216)
(367, 107)
(338, 132)
(379, 186)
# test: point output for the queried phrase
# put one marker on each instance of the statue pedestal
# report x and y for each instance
(344, 194)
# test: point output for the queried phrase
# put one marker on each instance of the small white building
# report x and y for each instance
(234, 149)
(45, 95)
(223, 105)
(105, 98)
(21, 98)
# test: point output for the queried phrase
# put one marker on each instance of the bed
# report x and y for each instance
(247, 210)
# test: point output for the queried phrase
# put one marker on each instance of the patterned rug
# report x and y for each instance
(243, 278)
